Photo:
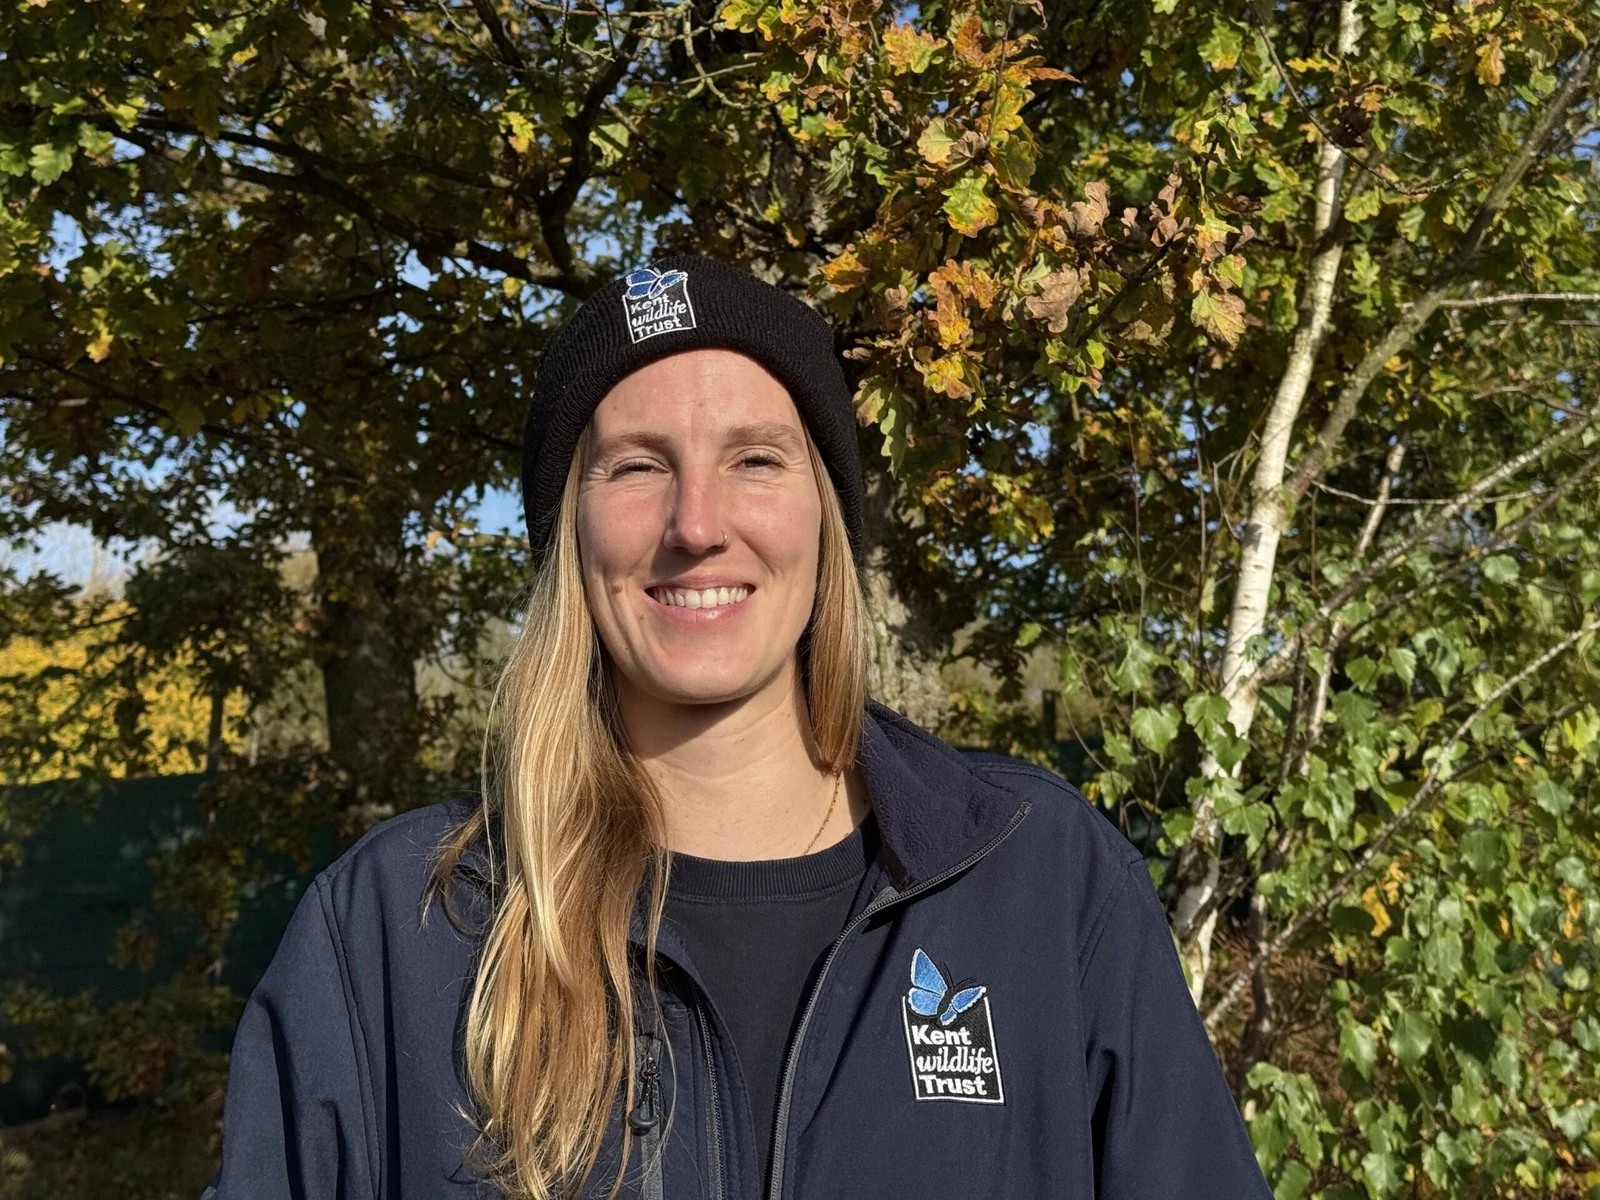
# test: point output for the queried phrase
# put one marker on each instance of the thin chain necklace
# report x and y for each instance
(835, 800)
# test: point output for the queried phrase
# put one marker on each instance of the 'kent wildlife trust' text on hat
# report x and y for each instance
(684, 302)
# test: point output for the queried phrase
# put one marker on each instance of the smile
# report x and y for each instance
(725, 597)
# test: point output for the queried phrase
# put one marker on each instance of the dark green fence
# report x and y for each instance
(83, 875)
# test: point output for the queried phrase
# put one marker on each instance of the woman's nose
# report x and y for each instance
(696, 522)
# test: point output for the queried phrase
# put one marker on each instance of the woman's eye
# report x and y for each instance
(625, 468)
(764, 460)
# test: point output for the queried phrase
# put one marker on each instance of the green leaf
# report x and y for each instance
(936, 140)
(841, 166)
(1441, 954)
(1552, 797)
(1177, 824)
(1133, 673)
(968, 206)
(1411, 1037)
(1403, 663)
(1156, 727)
(611, 139)
(1383, 1173)
(1483, 850)
(1206, 712)
(1500, 568)
(48, 163)
(1362, 672)
(1220, 314)
(1221, 47)
(1293, 1179)
(1014, 159)
(1358, 1044)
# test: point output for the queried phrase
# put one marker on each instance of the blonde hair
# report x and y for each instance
(550, 1026)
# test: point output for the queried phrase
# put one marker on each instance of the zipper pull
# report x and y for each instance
(646, 1114)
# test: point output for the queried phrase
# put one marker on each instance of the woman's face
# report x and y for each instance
(686, 451)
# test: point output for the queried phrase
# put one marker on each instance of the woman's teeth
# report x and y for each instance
(708, 598)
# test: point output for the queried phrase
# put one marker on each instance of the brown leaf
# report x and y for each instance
(1086, 216)
(1058, 292)
(949, 315)
(969, 44)
(888, 310)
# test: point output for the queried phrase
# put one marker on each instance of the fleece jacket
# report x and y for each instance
(1003, 1014)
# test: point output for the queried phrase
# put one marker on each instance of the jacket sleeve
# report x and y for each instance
(1164, 1120)
(294, 1117)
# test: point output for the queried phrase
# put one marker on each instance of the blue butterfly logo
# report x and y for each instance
(646, 283)
(928, 989)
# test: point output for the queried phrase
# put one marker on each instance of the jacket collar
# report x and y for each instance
(933, 810)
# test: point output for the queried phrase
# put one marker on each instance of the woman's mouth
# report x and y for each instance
(720, 598)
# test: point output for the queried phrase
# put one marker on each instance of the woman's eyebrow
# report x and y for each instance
(759, 431)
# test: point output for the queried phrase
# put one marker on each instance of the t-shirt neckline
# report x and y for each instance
(694, 878)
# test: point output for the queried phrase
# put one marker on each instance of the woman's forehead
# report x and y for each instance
(698, 393)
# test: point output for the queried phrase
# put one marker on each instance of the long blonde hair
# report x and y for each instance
(550, 1027)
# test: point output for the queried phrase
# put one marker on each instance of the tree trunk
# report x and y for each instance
(1199, 863)
(368, 672)
(914, 613)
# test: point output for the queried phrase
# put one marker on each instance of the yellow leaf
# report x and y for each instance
(101, 346)
(1380, 914)
(846, 271)
(1491, 62)
(519, 131)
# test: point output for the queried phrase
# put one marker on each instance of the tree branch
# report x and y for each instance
(1273, 667)
(1523, 298)
(1459, 263)
(419, 238)
(1437, 776)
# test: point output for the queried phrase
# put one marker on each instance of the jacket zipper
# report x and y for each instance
(645, 1121)
(716, 1106)
(878, 903)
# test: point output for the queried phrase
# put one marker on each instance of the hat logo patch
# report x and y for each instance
(949, 1037)
(656, 302)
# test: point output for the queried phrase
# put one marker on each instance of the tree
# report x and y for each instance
(1242, 358)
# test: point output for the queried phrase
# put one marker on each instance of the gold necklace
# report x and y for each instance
(835, 800)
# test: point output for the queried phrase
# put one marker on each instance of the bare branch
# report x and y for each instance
(510, 55)
(1524, 298)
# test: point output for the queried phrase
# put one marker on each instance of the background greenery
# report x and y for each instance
(1226, 370)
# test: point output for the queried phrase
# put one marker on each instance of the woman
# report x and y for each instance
(731, 929)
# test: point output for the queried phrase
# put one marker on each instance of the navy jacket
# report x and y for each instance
(1003, 1015)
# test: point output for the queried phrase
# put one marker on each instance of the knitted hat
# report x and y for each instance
(683, 302)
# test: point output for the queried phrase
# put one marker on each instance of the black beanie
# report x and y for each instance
(683, 302)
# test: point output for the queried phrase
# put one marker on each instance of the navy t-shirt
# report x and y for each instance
(757, 933)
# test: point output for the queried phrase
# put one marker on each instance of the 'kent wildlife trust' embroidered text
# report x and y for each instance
(949, 1037)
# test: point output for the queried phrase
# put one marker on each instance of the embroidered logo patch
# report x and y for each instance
(656, 302)
(949, 1037)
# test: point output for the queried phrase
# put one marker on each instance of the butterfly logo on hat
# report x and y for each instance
(646, 283)
(656, 302)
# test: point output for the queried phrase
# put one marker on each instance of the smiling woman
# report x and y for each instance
(700, 553)
(730, 927)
